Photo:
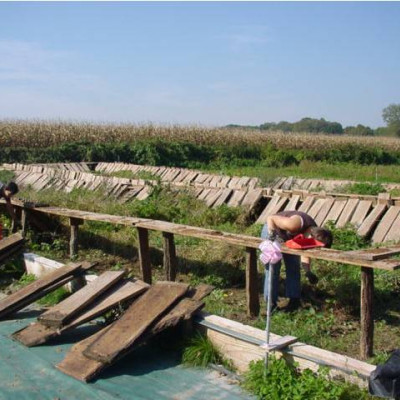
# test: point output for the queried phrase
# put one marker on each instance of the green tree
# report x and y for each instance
(391, 115)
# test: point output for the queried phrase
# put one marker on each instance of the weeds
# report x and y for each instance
(282, 381)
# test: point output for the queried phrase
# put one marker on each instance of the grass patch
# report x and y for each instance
(200, 352)
(54, 297)
(282, 381)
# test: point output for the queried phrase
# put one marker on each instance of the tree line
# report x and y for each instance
(390, 115)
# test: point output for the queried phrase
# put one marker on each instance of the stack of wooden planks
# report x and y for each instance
(106, 292)
(214, 190)
(39, 288)
(148, 311)
(164, 305)
(10, 246)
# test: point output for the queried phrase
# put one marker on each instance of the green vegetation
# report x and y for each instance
(200, 352)
(282, 381)
(362, 188)
(54, 297)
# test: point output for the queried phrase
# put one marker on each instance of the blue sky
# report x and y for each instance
(210, 63)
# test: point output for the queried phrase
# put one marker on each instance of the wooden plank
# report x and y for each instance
(315, 208)
(361, 212)
(12, 302)
(307, 203)
(213, 197)
(58, 315)
(370, 222)
(367, 322)
(347, 213)
(293, 202)
(386, 223)
(253, 301)
(79, 366)
(252, 198)
(236, 198)
(335, 211)
(374, 253)
(323, 212)
(394, 232)
(222, 199)
(262, 219)
(225, 333)
(38, 333)
(135, 320)
(10, 241)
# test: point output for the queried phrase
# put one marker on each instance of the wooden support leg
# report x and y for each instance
(169, 256)
(24, 222)
(73, 243)
(253, 301)
(144, 255)
(367, 322)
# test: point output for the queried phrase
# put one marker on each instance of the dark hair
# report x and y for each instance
(323, 235)
(12, 187)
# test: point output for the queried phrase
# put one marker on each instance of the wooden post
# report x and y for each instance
(253, 301)
(367, 322)
(73, 243)
(24, 221)
(144, 254)
(169, 256)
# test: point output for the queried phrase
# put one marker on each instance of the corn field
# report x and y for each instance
(42, 134)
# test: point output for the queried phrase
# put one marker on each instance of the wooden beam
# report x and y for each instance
(170, 261)
(367, 322)
(252, 297)
(144, 255)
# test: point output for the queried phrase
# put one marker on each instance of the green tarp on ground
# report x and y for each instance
(148, 373)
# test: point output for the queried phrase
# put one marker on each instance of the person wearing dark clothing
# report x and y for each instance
(7, 191)
(284, 226)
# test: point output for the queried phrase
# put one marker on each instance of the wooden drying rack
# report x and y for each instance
(368, 259)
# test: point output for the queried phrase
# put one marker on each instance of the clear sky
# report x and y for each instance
(203, 63)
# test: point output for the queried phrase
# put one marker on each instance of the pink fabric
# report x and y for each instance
(270, 252)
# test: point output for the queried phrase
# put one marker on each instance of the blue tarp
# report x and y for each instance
(147, 373)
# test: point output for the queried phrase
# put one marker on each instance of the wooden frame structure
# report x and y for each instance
(368, 260)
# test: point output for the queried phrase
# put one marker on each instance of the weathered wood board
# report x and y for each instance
(60, 313)
(361, 212)
(324, 210)
(335, 211)
(37, 333)
(307, 203)
(293, 202)
(14, 301)
(77, 365)
(347, 212)
(385, 224)
(370, 222)
(135, 321)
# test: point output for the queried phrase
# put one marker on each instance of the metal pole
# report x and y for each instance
(269, 306)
